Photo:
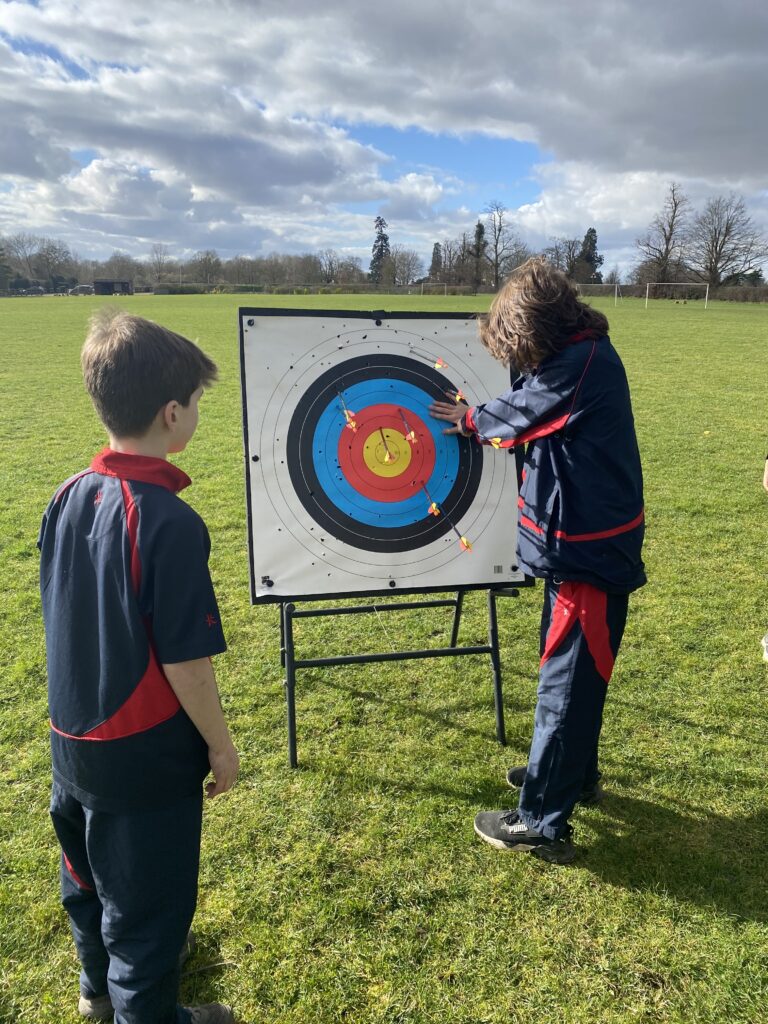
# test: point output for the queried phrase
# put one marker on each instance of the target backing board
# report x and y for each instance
(352, 488)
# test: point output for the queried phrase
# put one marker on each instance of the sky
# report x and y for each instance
(288, 125)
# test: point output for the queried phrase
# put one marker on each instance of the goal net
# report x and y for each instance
(677, 291)
(585, 289)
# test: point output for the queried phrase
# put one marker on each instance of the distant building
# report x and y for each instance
(105, 286)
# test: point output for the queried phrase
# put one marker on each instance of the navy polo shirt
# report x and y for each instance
(125, 588)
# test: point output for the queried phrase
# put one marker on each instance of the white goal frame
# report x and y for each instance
(588, 284)
(676, 284)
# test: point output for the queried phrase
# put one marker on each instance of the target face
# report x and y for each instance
(352, 486)
(367, 461)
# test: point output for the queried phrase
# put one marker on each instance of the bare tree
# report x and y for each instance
(329, 264)
(351, 270)
(52, 260)
(22, 249)
(505, 249)
(663, 243)
(724, 241)
(464, 261)
(159, 260)
(406, 266)
(554, 253)
(563, 253)
(496, 213)
(450, 258)
(120, 266)
(205, 266)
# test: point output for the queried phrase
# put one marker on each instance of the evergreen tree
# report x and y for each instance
(436, 266)
(479, 247)
(589, 260)
(379, 250)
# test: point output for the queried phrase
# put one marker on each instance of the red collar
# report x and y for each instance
(588, 335)
(144, 468)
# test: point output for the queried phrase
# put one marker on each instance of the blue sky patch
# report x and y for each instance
(486, 168)
(33, 49)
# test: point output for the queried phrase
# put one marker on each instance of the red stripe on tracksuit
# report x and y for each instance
(576, 538)
(542, 429)
(78, 880)
(586, 604)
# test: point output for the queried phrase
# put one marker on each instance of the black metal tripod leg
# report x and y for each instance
(282, 635)
(290, 683)
(493, 643)
(457, 618)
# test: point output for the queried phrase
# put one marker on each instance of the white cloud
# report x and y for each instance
(210, 123)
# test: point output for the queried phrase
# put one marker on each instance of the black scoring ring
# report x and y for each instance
(300, 458)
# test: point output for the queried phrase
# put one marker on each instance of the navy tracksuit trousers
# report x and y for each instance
(129, 885)
(581, 630)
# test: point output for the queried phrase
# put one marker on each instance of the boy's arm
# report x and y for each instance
(194, 683)
(765, 474)
(534, 406)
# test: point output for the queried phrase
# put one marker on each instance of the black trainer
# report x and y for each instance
(505, 831)
(590, 796)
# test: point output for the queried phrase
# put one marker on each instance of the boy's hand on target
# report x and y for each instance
(452, 412)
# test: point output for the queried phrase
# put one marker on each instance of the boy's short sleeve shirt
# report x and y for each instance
(125, 588)
(179, 594)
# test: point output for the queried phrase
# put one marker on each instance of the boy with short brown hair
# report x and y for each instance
(581, 526)
(131, 624)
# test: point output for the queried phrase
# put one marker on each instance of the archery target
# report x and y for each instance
(367, 461)
(352, 486)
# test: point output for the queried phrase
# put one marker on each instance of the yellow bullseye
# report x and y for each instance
(386, 452)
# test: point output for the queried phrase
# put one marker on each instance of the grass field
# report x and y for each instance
(354, 889)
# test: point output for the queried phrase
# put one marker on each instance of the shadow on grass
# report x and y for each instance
(201, 975)
(750, 716)
(410, 708)
(711, 861)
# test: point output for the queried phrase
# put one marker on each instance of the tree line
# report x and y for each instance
(718, 245)
(476, 259)
(32, 260)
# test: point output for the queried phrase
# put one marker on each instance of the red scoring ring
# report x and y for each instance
(382, 488)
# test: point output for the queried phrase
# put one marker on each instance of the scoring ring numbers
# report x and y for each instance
(360, 481)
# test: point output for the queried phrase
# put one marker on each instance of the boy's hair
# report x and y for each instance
(132, 367)
(534, 314)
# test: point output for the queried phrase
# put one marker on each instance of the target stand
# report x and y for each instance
(289, 613)
(353, 489)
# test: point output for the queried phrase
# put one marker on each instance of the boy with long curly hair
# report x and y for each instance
(581, 525)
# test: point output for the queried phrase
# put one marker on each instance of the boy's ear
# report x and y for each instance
(168, 414)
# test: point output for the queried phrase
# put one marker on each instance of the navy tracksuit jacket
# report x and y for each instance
(581, 503)
(581, 526)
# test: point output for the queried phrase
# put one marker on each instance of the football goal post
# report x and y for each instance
(586, 289)
(678, 296)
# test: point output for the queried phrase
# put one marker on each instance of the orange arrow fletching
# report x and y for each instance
(465, 545)
(440, 364)
(434, 510)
